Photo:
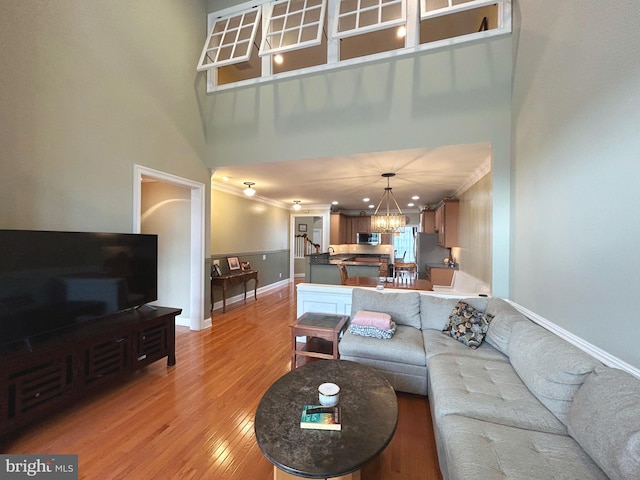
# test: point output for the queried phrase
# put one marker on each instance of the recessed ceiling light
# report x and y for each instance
(225, 179)
(249, 191)
(335, 202)
(410, 204)
(372, 206)
(366, 199)
(415, 197)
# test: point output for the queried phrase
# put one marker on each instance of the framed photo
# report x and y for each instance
(234, 263)
(302, 227)
(215, 270)
(245, 265)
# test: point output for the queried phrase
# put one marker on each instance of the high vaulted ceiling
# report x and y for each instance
(430, 173)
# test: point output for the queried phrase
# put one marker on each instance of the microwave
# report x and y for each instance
(368, 238)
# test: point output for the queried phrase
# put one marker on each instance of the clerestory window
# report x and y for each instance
(230, 40)
(434, 8)
(355, 17)
(301, 36)
(292, 24)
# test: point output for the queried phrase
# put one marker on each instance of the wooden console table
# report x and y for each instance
(234, 279)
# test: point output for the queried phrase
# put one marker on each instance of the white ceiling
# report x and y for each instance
(432, 174)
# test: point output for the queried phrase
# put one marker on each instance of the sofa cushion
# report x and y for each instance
(403, 307)
(505, 317)
(474, 449)
(486, 390)
(406, 346)
(604, 419)
(435, 311)
(435, 343)
(552, 368)
(467, 325)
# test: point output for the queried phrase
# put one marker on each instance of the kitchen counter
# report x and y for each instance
(323, 268)
(348, 259)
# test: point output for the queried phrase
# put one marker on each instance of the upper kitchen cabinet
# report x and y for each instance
(428, 221)
(338, 229)
(345, 228)
(447, 217)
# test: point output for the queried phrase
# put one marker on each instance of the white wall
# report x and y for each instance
(166, 212)
(474, 253)
(576, 112)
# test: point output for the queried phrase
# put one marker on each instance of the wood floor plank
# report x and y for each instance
(196, 420)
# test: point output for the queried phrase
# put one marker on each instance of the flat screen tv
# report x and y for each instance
(54, 281)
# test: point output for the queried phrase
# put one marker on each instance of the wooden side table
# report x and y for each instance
(234, 279)
(322, 332)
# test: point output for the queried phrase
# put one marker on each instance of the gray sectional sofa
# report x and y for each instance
(525, 404)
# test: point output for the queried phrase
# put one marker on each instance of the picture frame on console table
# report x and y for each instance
(234, 263)
(245, 266)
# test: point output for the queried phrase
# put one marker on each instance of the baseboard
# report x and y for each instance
(183, 321)
(583, 345)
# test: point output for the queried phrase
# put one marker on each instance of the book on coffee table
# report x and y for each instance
(318, 417)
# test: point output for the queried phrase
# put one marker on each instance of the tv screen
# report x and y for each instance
(51, 281)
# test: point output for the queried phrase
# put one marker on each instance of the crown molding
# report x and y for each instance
(482, 169)
(238, 192)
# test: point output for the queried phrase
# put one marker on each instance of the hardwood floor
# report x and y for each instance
(195, 420)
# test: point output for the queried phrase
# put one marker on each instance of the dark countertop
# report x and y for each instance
(369, 419)
(347, 258)
(440, 265)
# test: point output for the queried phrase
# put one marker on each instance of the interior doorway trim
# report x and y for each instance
(325, 214)
(197, 251)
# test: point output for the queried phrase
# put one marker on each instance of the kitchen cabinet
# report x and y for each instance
(338, 228)
(447, 217)
(344, 228)
(428, 221)
(440, 276)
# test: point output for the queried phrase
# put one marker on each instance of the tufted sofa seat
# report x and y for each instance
(525, 404)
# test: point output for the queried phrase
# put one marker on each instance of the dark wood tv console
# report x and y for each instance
(46, 375)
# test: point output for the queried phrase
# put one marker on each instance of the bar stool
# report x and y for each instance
(407, 271)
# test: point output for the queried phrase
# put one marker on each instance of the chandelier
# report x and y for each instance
(387, 222)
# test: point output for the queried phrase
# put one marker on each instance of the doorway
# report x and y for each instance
(193, 242)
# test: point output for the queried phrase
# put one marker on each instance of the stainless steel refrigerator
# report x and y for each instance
(428, 252)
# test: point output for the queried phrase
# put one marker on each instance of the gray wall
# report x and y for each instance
(576, 111)
(253, 231)
(450, 96)
(87, 89)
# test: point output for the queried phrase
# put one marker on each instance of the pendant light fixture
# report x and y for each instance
(387, 222)
(249, 192)
(296, 205)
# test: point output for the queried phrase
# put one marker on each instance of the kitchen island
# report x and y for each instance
(323, 268)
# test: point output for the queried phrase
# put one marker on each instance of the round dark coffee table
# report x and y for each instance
(369, 419)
